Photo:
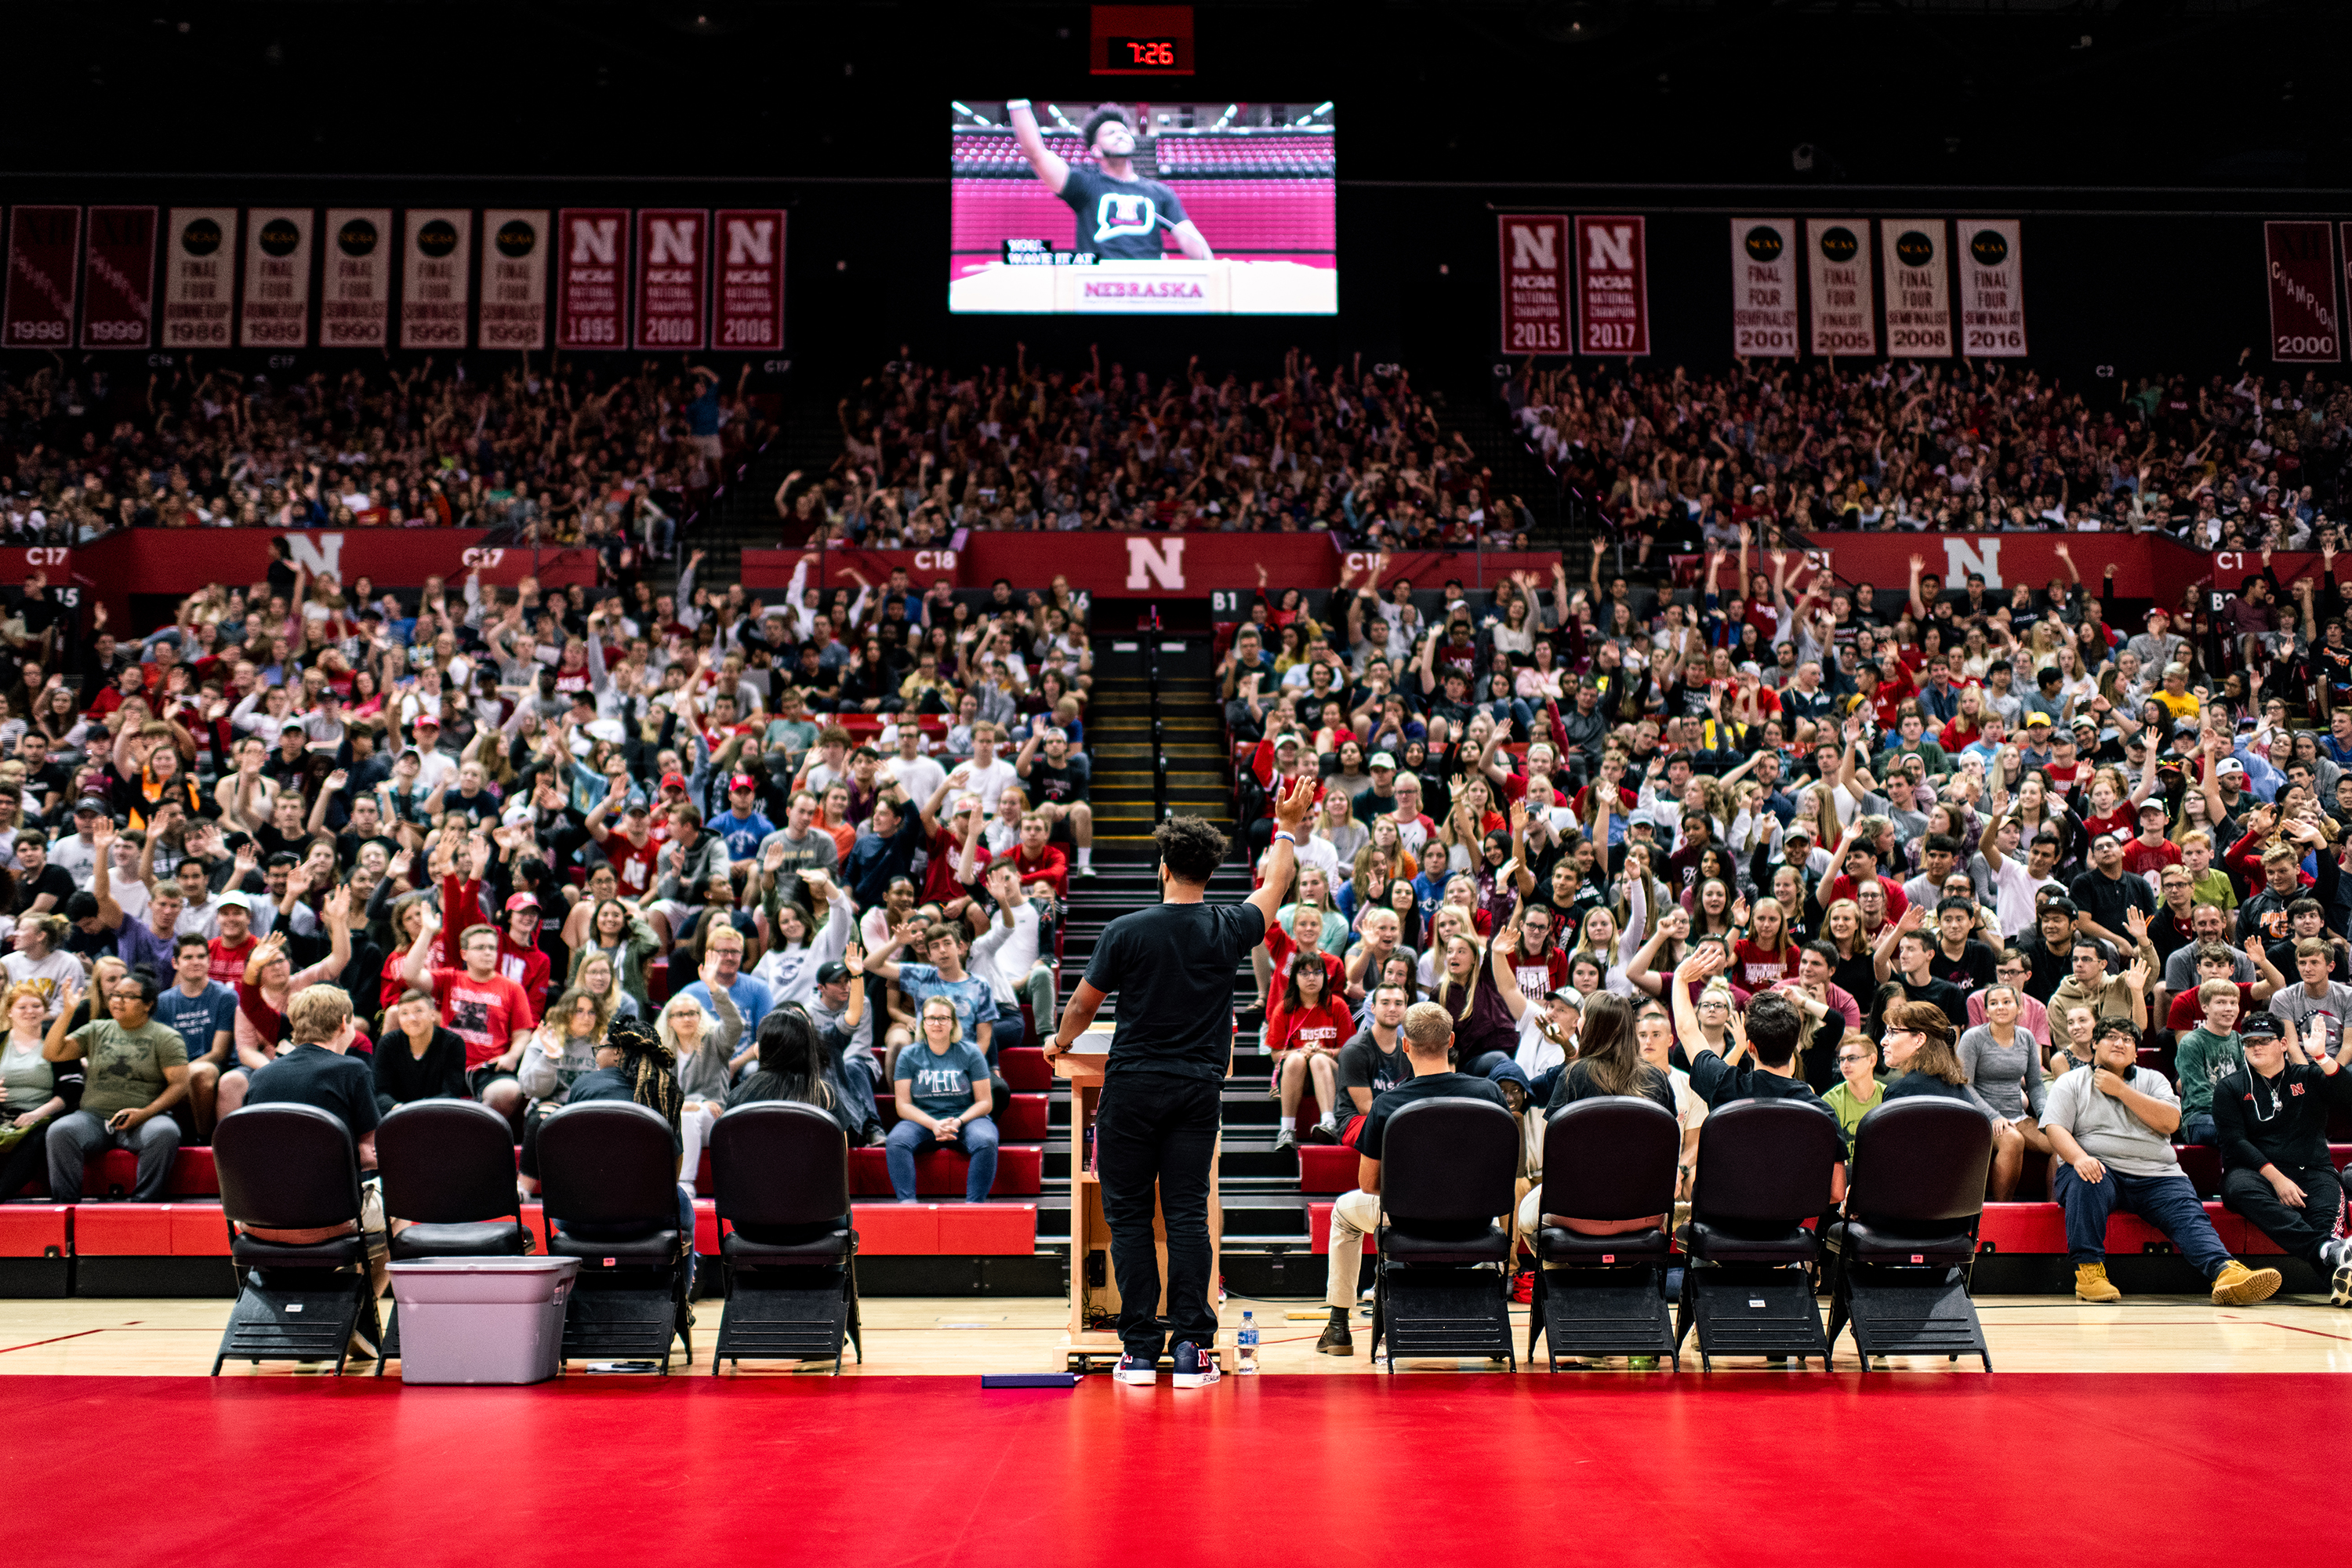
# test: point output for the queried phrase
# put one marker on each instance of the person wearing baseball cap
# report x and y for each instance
(433, 764)
(520, 958)
(741, 827)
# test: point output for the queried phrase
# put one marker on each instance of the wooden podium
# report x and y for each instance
(1090, 1234)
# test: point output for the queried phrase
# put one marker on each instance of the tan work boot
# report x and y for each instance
(2239, 1286)
(2091, 1283)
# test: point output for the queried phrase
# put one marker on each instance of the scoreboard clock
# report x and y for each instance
(1141, 40)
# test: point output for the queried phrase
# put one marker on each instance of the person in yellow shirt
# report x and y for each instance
(2177, 700)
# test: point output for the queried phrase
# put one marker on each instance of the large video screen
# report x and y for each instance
(1143, 209)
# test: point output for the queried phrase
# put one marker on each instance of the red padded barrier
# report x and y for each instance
(125, 1230)
(997, 1229)
(896, 1230)
(1025, 1070)
(2041, 1228)
(198, 1231)
(36, 1230)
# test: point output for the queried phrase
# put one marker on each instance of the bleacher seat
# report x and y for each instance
(1318, 1230)
(940, 1173)
(1326, 1168)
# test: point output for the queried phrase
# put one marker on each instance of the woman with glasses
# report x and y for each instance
(2001, 1060)
(1918, 1047)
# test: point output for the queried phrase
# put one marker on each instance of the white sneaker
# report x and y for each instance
(1196, 1368)
(2337, 1256)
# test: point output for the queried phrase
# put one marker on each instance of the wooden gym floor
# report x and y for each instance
(963, 1336)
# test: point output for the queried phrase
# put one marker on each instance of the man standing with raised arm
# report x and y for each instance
(1120, 213)
(1172, 967)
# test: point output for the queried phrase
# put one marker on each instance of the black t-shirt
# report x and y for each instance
(1428, 1086)
(1719, 1083)
(53, 880)
(1972, 971)
(1942, 993)
(1063, 785)
(313, 1074)
(404, 1077)
(1171, 969)
(2105, 898)
(1363, 1065)
(1120, 220)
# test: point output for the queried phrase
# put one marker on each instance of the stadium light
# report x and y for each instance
(1226, 117)
(962, 108)
(1060, 119)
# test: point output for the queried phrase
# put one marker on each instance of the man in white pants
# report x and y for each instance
(1428, 1042)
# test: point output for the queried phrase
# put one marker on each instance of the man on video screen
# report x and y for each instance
(1120, 213)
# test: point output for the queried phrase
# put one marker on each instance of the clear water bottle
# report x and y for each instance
(1245, 1344)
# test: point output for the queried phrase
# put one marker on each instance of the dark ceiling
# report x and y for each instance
(2011, 92)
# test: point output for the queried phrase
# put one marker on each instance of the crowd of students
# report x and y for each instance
(2241, 463)
(1361, 453)
(564, 451)
(1981, 845)
(826, 840)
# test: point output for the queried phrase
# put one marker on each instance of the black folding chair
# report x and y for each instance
(1448, 1167)
(1610, 1158)
(1906, 1250)
(608, 1175)
(1764, 1169)
(447, 1167)
(293, 1167)
(782, 1175)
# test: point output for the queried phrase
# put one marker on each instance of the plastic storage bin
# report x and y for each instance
(482, 1320)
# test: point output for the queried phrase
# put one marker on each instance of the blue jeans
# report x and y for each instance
(2198, 1130)
(2167, 1203)
(976, 1139)
(686, 1228)
(1006, 1033)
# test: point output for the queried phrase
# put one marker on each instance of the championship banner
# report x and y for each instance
(514, 281)
(435, 283)
(1845, 311)
(592, 278)
(673, 278)
(118, 279)
(199, 277)
(750, 311)
(1918, 288)
(355, 295)
(1764, 287)
(1533, 254)
(44, 263)
(1613, 288)
(276, 306)
(2301, 263)
(1993, 288)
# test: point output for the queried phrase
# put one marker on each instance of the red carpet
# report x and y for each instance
(1749, 1468)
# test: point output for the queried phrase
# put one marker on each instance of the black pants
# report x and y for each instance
(26, 1162)
(1156, 1134)
(2298, 1232)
